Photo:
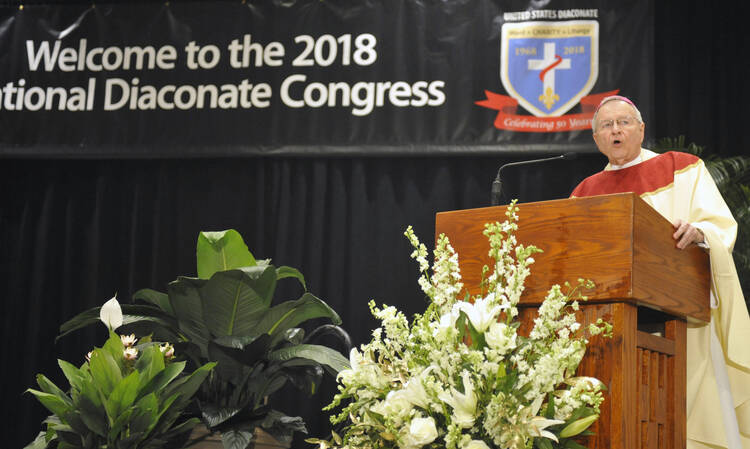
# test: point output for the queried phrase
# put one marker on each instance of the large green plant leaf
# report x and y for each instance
(284, 272)
(728, 171)
(290, 314)
(152, 318)
(221, 251)
(322, 355)
(79, 321)
(158, 299)
(236, 438)
(234, 300)
(186, 301)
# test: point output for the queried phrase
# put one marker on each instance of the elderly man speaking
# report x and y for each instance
(680, 188)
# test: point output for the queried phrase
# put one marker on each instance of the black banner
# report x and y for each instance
(316, 77)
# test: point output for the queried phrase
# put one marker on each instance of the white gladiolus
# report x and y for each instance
(421, 431)
(464, 404)
(111, 314)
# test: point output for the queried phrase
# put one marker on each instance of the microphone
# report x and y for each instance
(497, 186)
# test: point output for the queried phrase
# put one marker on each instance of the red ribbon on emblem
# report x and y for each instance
(508, 119)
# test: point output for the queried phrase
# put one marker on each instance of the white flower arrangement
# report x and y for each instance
(461, 376)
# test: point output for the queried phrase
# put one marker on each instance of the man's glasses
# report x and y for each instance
(623, 122)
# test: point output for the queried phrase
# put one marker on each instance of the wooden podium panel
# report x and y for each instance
(645, 286)
(618, 241)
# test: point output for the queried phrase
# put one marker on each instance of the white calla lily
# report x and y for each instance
(111, 314)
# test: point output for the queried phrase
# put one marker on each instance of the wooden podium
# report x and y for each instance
(646, 287)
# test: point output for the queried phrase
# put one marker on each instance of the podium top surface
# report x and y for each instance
(618, 241)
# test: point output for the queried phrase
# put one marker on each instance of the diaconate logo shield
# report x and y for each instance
(549, 66)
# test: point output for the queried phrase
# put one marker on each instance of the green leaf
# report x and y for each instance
(48, 387)
(76, 377)
(233, 300)
(163, 378)
(290, 314)
(105, 371)
(570, 444)
(150, 363)
(92, 416)
(120, 423)
(236, 438)
(320, 354)
(79, 321)
(145, 414)
(188, 386)
(289, 272)
(69, 440)
(578, 426)
(186, 301)
(542, 443)
(50, 401)
(159, 299)
(214, 415)
(183, 427)
(123, 396)
(221, 251)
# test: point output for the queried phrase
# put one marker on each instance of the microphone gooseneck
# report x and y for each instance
(496, 192)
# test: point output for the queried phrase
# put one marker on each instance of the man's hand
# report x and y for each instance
(685, 234)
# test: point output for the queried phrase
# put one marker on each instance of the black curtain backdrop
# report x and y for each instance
(75, 232)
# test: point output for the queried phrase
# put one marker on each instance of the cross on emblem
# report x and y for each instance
(547, 68)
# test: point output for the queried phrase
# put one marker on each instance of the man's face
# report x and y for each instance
(618, 133)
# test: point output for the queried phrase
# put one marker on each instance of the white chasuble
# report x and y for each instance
(678, 186)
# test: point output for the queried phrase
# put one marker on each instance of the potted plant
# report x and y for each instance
(123, 396)
(225, 315)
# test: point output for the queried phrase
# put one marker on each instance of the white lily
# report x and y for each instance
(537, 424)
(111, 314)
(482, 313)
(464, 404)
(415, 391)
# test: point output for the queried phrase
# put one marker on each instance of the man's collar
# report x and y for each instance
(635, 161)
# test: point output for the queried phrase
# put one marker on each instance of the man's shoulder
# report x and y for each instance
(676, 159)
